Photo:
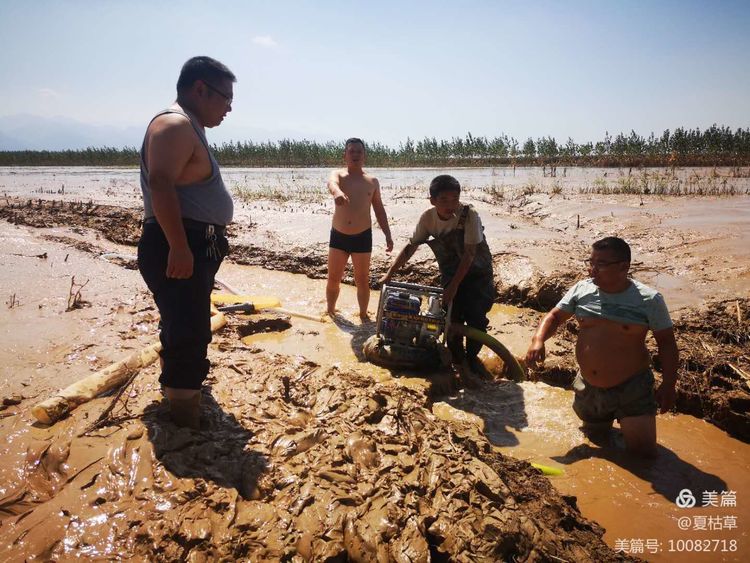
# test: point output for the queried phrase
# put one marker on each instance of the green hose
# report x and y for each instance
(515, 370)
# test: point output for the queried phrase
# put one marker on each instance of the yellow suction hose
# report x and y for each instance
(515, 370)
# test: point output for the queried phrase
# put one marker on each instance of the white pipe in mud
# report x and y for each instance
(284, 311)
(109, 255)
(111, 377)
(226, 286)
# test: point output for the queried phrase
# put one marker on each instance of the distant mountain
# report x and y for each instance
(8, 141)
(33, 132)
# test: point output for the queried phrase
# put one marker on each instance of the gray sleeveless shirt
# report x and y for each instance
(207, 201)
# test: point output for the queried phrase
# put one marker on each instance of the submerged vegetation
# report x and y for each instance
(303, 192)
(715, 146)
(667, 183)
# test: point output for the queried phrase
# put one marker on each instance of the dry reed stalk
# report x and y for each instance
(740, 372)
(706, 347)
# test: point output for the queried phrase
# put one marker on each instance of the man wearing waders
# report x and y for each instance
(186, 210)
(455, 234)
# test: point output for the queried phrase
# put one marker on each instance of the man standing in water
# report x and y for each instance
(186, 210)
(354, 191)
(614, 314)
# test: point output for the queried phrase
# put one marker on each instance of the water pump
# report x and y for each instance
(411, 328)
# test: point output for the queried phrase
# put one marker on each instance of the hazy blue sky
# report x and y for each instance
(385, 70)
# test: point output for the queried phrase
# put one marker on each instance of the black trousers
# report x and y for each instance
(473, 300)
(184, 304)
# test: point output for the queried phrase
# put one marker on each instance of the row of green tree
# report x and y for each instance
(713, 146)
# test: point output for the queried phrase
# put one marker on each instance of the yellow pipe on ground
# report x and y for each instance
(515, 370)
(259, 302)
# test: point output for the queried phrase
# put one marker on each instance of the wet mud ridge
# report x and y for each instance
(117, 224)
(294, 462)
(714, 382)
(713, 342)
(515, 282)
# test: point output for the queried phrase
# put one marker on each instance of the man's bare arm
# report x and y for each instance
(402, 258)
(382, 217)
(550, 323)
(334, 187)
(170, 147)
(669, 358)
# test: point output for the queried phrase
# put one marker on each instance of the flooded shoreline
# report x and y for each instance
(122, 483)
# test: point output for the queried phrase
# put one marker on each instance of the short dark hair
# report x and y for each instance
(444, 183)
(619, 247)
(353, 140)
(202, 68)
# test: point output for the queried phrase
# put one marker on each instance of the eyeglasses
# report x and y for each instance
(228, 99)
(599, 265)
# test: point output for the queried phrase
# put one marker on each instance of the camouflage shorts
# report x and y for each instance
(634, 397)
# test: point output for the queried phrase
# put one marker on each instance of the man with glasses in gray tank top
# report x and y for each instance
(186, 210)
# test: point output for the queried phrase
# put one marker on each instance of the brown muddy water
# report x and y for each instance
(634, 501)
(309, 449)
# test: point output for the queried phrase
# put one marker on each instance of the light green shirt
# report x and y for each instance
(638, 304)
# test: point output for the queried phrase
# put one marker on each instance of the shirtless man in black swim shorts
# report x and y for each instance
(354, 191)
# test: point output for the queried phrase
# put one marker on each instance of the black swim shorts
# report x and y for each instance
(361, 242)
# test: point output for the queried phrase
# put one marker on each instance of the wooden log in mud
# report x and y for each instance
(111, 377)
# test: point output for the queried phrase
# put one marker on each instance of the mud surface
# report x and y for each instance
(693, 249)
(294, 462)
(539, 227)
(303, 455)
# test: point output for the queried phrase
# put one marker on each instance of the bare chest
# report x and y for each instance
(359, 191)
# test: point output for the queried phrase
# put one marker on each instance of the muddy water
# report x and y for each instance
(337, 343)
(635, 502)
(531, 421)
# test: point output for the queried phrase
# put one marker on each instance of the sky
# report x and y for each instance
(384, 70)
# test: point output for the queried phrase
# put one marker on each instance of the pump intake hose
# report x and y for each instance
(515, 370)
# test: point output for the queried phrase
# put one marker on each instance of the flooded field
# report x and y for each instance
(309, 451)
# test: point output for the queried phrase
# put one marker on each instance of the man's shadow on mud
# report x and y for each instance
(667, 472)
(500, 404)
(359, 333)
(215, 453)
